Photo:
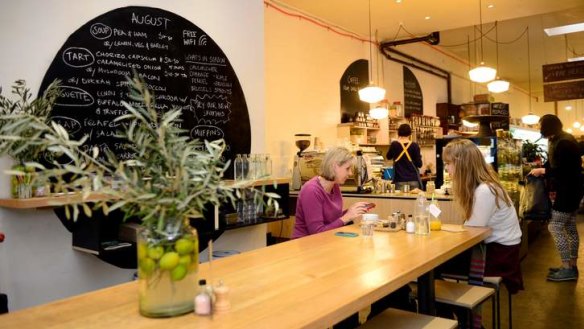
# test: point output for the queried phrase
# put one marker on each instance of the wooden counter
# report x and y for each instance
(311, 282)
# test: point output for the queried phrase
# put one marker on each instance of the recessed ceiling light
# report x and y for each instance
(565, 29)
(427, 17)
(490, 6)
(568, 108)
(398, 1)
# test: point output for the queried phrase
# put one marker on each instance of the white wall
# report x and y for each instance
(304, 63)
(37, 263)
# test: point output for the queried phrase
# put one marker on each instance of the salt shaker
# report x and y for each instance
(203, 299)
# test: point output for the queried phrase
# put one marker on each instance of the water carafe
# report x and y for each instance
(421, 215)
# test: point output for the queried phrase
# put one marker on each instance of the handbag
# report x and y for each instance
(534, 202)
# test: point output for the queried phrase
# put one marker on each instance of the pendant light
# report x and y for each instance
(482, 73)
(381, 109)
(529, 119)
(498, 85)
(372, 93)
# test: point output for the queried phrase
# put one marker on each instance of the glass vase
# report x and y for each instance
(167, 271)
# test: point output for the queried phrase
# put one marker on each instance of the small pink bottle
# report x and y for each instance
(203, 300)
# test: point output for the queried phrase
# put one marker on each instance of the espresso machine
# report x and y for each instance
(302, 141)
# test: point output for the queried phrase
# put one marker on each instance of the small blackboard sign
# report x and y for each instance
(413, 97)
(563, 91)
(500, 109)
(563, 71)
(354, 78)
(180, 62)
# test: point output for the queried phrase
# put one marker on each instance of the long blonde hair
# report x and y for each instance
(471, 170)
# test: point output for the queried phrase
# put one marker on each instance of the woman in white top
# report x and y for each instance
(484, 202)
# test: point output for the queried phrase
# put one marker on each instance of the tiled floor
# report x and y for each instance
(544, 304)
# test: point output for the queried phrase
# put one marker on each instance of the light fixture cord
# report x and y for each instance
(497, 43)
(370, 56)
(529, 67)
(481, 27)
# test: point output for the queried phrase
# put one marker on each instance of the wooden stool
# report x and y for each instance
(462, 295)
(398, 319)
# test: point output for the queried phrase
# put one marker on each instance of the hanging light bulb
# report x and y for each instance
(482, 73)
(372, 93)
(530, 118)
(380, 111)
(576, 124)
(582, 128)
(498, 86)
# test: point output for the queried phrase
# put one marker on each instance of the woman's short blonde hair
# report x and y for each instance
(335, 156)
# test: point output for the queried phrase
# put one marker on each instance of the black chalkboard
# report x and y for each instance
(183, 67)
(181, 63)
(354, 78)
(563, 91)
(413, 97)
(563, 71)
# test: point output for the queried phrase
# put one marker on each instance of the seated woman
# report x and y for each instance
(320, 208)
(484, 202)
(320, 204)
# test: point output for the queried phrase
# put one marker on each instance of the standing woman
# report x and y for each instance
(484, 202)
(320, 204)
(406, 158)
(563, 173)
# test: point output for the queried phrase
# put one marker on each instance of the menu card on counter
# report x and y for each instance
(180, 63)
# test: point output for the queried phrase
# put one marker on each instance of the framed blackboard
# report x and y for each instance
(180, 62)
(354, 78)
(413, 97)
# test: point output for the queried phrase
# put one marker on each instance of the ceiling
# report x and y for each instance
(459, 21)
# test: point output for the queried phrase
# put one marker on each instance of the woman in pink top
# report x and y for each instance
(320, 203)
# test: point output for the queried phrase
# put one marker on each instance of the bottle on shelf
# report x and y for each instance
(237, 168)
(421, 216)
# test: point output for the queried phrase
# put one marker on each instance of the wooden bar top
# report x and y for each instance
(312, 282)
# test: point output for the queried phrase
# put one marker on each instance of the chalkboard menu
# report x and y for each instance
(572, 72)
(413, 97)
(354, 78)
(180, 63)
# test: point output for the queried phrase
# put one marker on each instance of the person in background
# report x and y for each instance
(320, 204)
(563, 172)
(406, 158)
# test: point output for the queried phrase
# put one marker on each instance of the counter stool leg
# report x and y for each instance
(510, 313)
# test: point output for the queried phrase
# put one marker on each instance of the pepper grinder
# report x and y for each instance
(222, 303)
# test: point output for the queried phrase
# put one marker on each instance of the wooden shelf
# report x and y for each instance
(365, 144)
(352, 126)
(50, 201)
(61, 200)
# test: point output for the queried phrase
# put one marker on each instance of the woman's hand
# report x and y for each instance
(355, 210)
(537, 172)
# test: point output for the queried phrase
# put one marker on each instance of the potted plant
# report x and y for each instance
(170, 179)
(27, 149)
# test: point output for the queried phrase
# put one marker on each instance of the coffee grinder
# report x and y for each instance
(302, 142)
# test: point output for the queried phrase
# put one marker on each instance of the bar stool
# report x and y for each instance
(398, 319)
(463, 295)
(495, 283)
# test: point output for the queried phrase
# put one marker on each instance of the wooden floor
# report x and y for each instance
(544, 304)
